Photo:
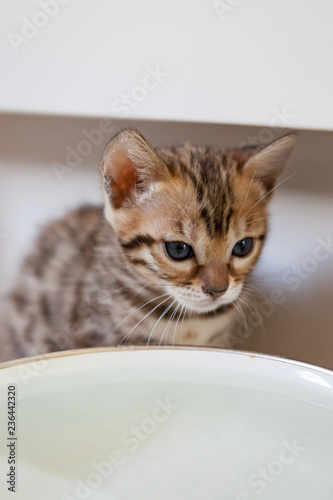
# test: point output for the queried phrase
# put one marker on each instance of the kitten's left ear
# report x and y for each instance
(266, 165)
(129, 166)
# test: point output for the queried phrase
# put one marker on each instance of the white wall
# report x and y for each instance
(231, 61)
(302, 211)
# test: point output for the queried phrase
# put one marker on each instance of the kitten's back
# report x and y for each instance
(48, 280)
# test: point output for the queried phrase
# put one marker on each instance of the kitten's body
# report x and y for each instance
(95, 280)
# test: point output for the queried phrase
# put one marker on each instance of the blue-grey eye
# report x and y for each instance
(243, 247)
(178, 250)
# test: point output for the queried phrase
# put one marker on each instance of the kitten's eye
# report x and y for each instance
(242, 247)
(178, 250)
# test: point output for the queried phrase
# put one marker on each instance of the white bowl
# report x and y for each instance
(161, 424)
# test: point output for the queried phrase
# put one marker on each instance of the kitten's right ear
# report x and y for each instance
(129, 166)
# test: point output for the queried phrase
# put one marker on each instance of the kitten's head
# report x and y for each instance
(191, 220)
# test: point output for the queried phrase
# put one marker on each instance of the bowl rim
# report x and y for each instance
(229, 352)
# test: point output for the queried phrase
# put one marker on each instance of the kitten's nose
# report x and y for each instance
(215, 292)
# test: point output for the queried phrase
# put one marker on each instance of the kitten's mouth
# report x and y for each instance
(206, 304)
(195, 301)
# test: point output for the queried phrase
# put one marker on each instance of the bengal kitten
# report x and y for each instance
(165, 262)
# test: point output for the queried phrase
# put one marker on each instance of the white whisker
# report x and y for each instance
(279, 184)
(247, 194)
(168, 323)
(175, 328)
(127, 336)
(181, 329)
(161, 316)
(138, 309)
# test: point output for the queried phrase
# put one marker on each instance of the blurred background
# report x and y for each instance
(225, 73)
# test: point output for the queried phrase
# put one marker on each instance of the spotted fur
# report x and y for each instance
(103, 277)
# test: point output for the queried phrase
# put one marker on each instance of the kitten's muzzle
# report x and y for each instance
(215, 292)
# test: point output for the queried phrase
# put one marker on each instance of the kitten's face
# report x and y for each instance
(194, 230)
(205, 259)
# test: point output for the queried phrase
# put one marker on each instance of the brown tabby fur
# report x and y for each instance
(100, 279)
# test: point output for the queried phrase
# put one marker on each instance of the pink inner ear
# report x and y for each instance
(124, 177)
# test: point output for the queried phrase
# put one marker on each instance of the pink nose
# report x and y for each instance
(215, 292)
